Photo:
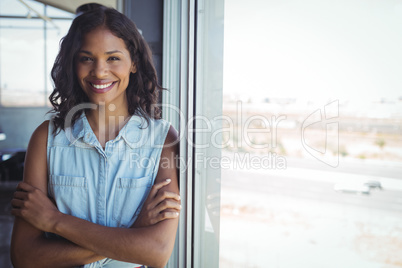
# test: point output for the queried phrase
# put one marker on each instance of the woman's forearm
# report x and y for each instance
(149, 245)
(44, 253)
(37, 251)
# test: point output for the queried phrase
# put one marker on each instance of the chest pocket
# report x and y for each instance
(130, 194)
(70, 194)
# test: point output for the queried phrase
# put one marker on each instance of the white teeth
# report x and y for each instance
(101, 86)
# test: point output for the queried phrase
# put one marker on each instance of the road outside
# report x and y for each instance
(294, 218)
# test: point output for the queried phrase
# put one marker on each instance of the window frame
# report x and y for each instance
(185, 57)
(178, 77)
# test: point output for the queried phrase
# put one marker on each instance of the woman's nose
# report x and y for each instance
(100, 69)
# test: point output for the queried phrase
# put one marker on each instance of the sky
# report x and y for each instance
(314, 48)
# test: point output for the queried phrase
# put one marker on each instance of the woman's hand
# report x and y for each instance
(159, 206)
(33, 205)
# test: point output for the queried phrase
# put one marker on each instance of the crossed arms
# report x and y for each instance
(149, 241)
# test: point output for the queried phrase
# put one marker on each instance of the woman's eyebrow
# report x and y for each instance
(85, 52)
(106, 53)
(113, 51)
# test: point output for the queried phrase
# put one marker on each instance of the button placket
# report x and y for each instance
(101, 189)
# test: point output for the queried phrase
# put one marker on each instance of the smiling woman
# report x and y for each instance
(109, 212)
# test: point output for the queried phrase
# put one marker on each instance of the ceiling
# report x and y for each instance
(71, 5)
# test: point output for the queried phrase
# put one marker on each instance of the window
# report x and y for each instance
(306, 129)
(314, 91)
(28, 47)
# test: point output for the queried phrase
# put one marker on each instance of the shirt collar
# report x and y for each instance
(76, 131)
(130, 134)
(81, 132)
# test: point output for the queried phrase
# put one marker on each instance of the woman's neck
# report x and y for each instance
(107, 120)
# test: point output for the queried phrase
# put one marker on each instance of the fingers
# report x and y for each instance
(174, 196)
(19, 195)
(169, 204)
(167, 209)
(157, 186)
(158, 210)
(166, 195)
(154, 193)
(159, 205)
(166, 215)
(17, 203)
(163, 198)
(23, 186)
(18, 200)
(16, 212)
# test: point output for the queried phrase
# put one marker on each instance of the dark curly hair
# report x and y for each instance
(143, 88)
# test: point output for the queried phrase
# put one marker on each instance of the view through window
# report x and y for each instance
(312, 159)
(30, 33)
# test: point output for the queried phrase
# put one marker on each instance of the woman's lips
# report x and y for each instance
(101, 87)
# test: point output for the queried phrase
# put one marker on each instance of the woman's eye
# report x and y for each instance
(85, 59)
(113, 58)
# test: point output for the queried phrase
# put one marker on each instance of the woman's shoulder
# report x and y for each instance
(172, 135)
(38, 141)
(35, 165)
(168, 132)
(171, 144)
(160, 122)
(41, 132)
(161, 132)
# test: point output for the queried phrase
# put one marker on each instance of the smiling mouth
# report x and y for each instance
(101, 88)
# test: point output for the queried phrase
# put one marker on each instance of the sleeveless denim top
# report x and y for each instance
(104, 186)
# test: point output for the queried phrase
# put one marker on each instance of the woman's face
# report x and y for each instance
(103, 67)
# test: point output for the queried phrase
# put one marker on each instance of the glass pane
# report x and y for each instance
(18, 8)
(312, 93)
(22, 51)
(58, 13)
(13, 8)
(207, 139)
(22, 62)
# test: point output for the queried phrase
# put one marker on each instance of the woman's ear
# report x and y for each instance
(134, 68)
